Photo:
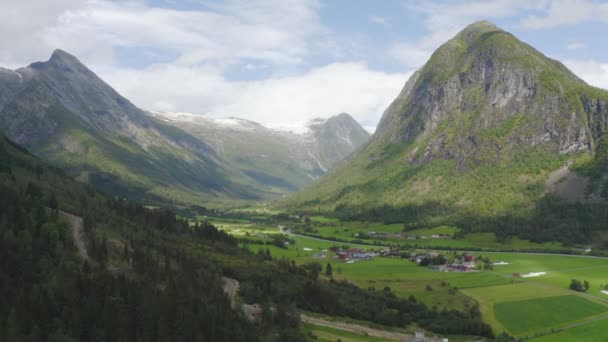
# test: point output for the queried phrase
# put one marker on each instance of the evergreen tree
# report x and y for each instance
(328, 271)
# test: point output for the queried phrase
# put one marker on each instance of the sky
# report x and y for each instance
(283, 61)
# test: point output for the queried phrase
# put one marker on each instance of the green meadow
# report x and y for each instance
(594, 331)
(352, 231)
(520, 305)
(540, 314)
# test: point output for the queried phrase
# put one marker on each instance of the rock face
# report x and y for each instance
(284, 159)
(64, 113)
(485, 113)
(493, 86)
(335, 138)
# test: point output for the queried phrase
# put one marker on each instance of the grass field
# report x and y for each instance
(596, 331)
(349, 231)
(497, 292)
(530, 316)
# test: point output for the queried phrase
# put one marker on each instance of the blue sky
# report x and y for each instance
(284, 61)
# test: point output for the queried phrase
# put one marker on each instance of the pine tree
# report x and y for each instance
(328, 271)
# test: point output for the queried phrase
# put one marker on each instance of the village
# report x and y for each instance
(464, 262)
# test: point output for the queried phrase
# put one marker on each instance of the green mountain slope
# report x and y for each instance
(64, 113)
(485, 129)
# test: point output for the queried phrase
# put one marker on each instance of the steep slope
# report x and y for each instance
(475, 132)
(64, 113)
(281, 159)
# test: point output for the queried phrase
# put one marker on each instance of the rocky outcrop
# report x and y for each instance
(484, 87)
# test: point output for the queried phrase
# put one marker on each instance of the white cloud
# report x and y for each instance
(376, 19)
(281, 32)
(410, 54)
(277, 36)
(565, 12)
(22, 28)
(321, 92)
(593, 72)
(559, 13)
(443, 20)
(575, 46)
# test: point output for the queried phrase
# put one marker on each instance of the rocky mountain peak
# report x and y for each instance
(476, 29)
(343, 118)
(485, 90)
(61, 56)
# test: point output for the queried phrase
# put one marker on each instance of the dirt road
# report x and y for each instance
(355, 328)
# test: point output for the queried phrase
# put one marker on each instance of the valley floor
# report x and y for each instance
(525, 294)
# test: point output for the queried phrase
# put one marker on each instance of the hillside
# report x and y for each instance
(283, 159)
(488, 128)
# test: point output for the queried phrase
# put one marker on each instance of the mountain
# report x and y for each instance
(284, 158)
(64, 113)
(488, 127)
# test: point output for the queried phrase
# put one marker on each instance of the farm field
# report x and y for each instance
(540, 314)
(595, 331)
(351, 231)
(497, 292)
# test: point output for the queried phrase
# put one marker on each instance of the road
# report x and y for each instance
(355, 328)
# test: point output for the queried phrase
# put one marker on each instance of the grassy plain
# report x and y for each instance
(351, 231)
(540, 314)
(595, 331)
(497, 292)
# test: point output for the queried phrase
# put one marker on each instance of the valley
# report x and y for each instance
(236, 199)
(518, 283)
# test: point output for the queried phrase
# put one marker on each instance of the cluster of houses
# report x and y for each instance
(404, 235)
(360, 254)
(354, 254)
(463, 263)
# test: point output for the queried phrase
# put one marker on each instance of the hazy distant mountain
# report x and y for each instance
(487, 127)
(64, 113)
(282, 157)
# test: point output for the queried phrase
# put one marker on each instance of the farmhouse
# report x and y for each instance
(353, 253)
(392, 251)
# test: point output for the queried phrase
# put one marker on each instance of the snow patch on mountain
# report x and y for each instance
(300, 127)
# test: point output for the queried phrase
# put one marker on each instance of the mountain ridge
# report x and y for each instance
(67, 115)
